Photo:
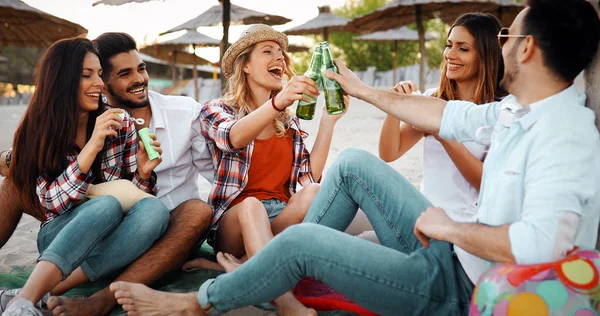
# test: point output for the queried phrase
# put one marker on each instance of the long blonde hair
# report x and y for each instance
(238, 96)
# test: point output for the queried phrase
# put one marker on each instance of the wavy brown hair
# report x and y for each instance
(47, 131)
(238, 95)
(484, 28)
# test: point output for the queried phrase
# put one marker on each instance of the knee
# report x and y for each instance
(297, 237)
(155, 219)
(252, 210)
(106, 205)
(194, 213)
(353, 158)
(310, 191)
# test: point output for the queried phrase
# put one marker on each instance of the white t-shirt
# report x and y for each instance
(443, 184)
(176, 123)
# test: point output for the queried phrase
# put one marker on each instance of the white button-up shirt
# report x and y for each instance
(541, 175)
(176, 123)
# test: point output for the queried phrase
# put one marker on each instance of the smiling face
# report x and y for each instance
(128, 81)
(462, 60)
(90, 84)
(265, 67)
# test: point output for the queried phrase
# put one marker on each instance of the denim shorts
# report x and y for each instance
(273, 207)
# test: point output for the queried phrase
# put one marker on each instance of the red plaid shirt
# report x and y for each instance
(118, 162)
(232, 165)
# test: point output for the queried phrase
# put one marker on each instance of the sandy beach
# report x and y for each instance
(359, 128)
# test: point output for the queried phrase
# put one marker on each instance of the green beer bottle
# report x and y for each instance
(306, 110)
(334, 95)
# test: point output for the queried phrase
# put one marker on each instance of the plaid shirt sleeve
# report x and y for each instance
(58, 196)
(130, 151)
(305, 175)
(217, 123)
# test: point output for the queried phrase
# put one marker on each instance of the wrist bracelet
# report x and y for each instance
(273, 104)
(8, 156)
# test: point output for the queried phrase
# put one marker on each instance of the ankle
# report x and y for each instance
(193, 306)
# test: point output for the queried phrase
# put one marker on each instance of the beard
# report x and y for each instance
(128, 103)
(511, 69)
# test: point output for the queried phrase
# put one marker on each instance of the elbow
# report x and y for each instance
(384, 156)
(528, 245)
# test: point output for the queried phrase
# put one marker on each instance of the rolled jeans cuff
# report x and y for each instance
(202, 297)
(91, 275)
(62, 264)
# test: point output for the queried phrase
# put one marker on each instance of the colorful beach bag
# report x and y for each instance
(567, 287)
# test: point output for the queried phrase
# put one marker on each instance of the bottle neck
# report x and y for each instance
(327, 58)
(315, 62)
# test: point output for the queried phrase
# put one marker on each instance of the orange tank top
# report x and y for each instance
(270, 170)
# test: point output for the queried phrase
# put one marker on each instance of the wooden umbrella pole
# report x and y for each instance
(195, 73)
(225, 41)
(421, 30)
(173, 69)
(325, 34)
(395, 64)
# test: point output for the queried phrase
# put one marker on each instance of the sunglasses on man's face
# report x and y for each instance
(503, 36)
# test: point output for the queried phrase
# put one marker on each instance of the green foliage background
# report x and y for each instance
(358, 55)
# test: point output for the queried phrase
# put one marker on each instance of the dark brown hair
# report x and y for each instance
(48, 128)
(484, 28)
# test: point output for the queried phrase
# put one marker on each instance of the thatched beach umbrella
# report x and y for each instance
(118, 2)
(322, 24)
(403, 12)
(22, 25)
(174, 46)
(238, 15)
(403, 34)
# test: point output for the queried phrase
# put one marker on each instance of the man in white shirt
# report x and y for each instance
(176, 123)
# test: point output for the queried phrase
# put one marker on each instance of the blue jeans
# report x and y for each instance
(97, 236)
(398, 277)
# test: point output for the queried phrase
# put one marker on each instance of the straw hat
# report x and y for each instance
(255, 34)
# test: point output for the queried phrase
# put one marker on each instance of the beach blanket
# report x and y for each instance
(177, 281)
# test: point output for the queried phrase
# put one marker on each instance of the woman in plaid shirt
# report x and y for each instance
(258, 149)
(66, 142)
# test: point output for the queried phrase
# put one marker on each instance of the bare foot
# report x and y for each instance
(228, 261)
(201, 263)
(288, 305)
(89, 306)
(138, 299)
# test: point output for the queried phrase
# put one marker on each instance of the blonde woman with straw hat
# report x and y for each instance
(258, 149)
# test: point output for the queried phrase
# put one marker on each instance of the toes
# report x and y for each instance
(192, 264)
(120, 285)
(125, 301)
(120, 294)
(53, 302)
(58, 311)
(130, 308)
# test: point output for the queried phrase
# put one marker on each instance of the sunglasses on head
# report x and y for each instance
(503, 36)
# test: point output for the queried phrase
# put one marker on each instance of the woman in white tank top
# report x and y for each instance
(471, 70)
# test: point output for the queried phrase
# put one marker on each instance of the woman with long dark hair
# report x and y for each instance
(471, 71)
(65, 143)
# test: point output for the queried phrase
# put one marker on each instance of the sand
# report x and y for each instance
(359, 128)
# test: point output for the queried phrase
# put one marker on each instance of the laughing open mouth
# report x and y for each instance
(137, 90)
(276, 71)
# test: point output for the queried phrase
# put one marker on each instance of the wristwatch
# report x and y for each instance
(8, 156)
